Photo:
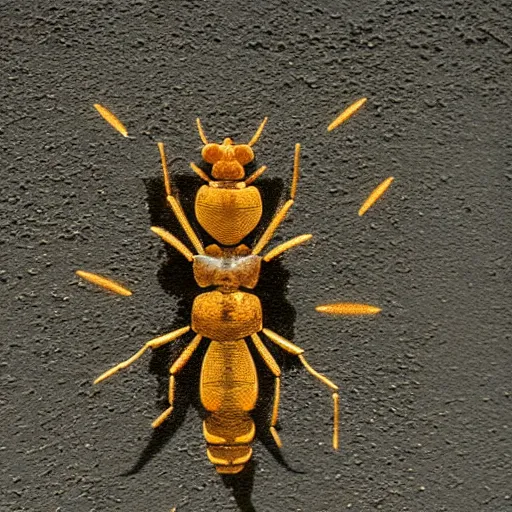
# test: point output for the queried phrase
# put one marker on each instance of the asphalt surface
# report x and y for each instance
(424, 386)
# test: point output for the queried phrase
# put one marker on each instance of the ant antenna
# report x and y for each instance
(256, 136)
(201, 132)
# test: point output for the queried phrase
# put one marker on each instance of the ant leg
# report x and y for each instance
(288, 346)
(276, 251)
(167, 181)
(335, 398)
(176, 206)
(269, 232)
(281, 214)
(154, 343)
(255, 175)
(295, 177)
(266, 355)
(175, 368)
(274, 368)
(172, 240)
(275, 412)
(185, 224)
(200, 172)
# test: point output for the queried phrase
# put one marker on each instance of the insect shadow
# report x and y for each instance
(176, 279)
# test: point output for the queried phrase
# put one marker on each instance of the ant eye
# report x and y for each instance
(212, 153)
(244, 154)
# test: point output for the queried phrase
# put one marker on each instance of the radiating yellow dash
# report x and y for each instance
(376, 193)
(348, 112)
(104, 282)
(348, 308)
(111, 119)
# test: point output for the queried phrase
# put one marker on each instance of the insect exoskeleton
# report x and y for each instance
(229, 382)
(228, 208)
(221, 200)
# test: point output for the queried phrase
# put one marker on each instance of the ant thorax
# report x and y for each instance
(227, 269)
(236, 185)
(240, 204)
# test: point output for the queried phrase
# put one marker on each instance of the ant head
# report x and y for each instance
(228, 159)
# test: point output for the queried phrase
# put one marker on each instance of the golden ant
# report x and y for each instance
(229, 207)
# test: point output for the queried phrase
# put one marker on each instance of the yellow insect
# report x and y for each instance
(228, 316)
